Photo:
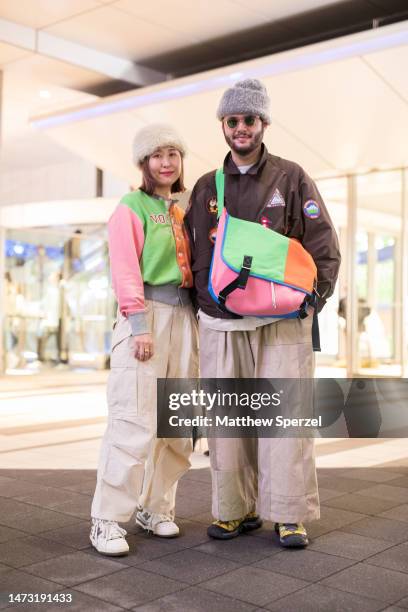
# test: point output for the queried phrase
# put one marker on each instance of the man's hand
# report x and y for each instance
(143, 347)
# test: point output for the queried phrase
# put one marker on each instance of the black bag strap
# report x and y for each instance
(315, 332)
(311, 300)
(238, 283)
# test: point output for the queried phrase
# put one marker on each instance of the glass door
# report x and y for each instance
(377, 290)
(58, 306)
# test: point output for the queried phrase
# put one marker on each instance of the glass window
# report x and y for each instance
(378, 242)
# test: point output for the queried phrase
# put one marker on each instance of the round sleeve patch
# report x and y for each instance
(311, 209)
(212, 235)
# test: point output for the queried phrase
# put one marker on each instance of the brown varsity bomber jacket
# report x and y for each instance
(275, 192)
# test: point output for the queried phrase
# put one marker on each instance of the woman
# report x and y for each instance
(154, 337)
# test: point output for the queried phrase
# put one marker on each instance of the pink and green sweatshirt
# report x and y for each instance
(143, 233)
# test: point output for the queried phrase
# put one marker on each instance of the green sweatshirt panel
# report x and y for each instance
(158, 263)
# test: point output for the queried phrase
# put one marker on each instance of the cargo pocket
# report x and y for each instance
(147, 398)
(122, 394)
(131, 388)
(129, 444)
(122, 353)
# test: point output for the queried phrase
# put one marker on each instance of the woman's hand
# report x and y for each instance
(143, 347)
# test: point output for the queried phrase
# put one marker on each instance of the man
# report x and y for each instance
(275, 475)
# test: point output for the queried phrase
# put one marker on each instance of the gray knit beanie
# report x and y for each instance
(151, 137)
(248, 97)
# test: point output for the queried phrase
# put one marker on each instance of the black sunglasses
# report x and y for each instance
(249, 121)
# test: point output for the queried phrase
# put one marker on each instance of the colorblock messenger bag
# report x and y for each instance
(256, 271)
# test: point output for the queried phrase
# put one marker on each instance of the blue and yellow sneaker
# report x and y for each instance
(225, 530)
(292, 535)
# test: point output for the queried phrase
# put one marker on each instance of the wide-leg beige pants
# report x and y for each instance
(131, 456)
(276, 475)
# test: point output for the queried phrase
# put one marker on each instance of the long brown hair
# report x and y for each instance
(148, 183)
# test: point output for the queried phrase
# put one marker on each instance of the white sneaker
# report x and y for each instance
(158, 524)
(108, 538)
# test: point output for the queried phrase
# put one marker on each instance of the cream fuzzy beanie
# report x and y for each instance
(151, 137)
(248, 97)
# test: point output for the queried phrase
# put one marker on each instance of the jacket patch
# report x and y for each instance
(311, 209)
(212, 206)
(276, 200)
(212, 235)
(163, 219)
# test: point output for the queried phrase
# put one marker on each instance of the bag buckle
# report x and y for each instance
(303, 309)
(244, 273)
(247, 263)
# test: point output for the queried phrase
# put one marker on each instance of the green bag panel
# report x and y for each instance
(268, 248)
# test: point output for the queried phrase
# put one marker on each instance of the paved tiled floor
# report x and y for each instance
(357, 560)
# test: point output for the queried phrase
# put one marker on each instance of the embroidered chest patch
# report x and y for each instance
(161, 218)
(276, 200)
(311, 209)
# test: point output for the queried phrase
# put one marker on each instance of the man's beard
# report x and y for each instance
(254, 143)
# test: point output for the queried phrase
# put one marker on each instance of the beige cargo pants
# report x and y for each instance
(135, 467)
(275, 475)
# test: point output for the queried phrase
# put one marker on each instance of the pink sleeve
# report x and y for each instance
(126, 240)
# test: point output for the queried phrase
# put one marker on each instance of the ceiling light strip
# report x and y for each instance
(274, 67)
